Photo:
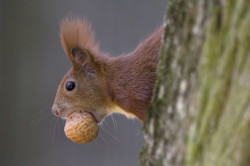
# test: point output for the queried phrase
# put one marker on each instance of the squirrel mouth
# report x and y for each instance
(94, 117)
(64, 114)
(97, 118)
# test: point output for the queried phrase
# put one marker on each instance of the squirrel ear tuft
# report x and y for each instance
(78, 40)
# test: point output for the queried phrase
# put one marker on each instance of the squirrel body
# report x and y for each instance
(100, 84)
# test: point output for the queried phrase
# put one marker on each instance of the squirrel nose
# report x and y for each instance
(55, 111)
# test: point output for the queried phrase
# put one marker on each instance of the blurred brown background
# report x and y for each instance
(32, 64)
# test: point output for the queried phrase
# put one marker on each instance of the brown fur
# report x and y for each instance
(104, 84)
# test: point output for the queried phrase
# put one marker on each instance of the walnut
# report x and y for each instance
(81, 127)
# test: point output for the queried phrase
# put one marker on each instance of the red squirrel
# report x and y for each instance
(100, 84)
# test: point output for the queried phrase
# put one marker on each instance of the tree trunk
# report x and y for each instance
(200, 111)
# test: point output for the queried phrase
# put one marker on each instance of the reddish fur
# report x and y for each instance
(127, 80)
(131, 77)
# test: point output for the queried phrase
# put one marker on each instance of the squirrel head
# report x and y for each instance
(83, 88)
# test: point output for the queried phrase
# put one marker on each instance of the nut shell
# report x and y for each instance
(81, 127)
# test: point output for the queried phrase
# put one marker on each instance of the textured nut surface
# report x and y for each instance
(81, 127)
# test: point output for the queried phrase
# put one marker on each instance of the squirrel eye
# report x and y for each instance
(70, 85)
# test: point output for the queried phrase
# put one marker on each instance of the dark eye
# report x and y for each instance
(70, 85)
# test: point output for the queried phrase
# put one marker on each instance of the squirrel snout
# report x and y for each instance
(55, 110)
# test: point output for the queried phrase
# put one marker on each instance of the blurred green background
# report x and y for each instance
(32, 64)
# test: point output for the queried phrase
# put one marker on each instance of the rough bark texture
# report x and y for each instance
(200, 111)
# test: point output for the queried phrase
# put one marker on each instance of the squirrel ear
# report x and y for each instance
(81, 58)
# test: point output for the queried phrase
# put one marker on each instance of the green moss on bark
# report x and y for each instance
(200, 111)
(224, 89)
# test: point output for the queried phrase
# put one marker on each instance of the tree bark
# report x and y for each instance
(200, 110)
